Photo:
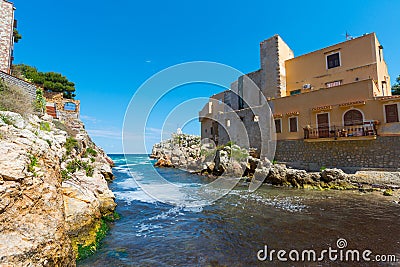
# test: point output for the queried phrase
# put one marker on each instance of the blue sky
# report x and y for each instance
(109, 48)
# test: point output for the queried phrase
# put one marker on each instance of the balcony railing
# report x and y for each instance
(336, 131)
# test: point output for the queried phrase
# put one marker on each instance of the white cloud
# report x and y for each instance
(89, 119)
(105, 133)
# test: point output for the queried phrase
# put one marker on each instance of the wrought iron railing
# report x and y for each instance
(336, 131)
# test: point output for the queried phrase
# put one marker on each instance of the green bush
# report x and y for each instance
(230, 143)
(45, 126)
(90, 152)
(6, 119)
(239, 154)
(112, 217)
(40, 101)
(33, 163)
(71, 144)
(50, 81)
(77, 165)
(65, 175)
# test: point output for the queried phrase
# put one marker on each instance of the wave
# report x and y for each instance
(137, 195)
(129, 183)
(291, 204)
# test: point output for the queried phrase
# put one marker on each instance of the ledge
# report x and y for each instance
(331, 139)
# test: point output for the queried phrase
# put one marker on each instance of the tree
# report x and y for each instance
(396, 87)
(49, 81)
(17, 36)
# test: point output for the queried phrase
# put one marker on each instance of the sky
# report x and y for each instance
(110, 48)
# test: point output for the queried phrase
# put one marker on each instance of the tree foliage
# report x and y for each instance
(396, 87)
(17, 36)
(50, 81)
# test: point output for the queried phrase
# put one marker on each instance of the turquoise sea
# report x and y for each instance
(235, 228)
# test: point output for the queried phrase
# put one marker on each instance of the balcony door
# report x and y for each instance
(323, 125)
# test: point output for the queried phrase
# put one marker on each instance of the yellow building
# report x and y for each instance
(338, 93)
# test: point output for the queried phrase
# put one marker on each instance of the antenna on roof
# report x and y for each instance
(348, 36)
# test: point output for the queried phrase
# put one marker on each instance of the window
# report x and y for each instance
(240, 93)
(295, 92)
(70, 106)
(293, 124)
(256, 118)
(333, 61)
(333, 84)
(210, 107)
(212, 130)
(391, 113)
(228, 123)
(240, 103)
(278, 125)
(353, 117)
(384, 87)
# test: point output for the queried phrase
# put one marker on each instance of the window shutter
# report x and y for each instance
(293, 125)
(278, 126)
(391, 113)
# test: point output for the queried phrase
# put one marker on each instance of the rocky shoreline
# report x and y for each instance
(188, 153)
(53, 191)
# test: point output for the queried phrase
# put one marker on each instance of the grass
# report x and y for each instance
(61, 126)
(15, 99)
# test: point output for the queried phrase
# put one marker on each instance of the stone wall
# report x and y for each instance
(11, 80)
(382, 153)
(6, 34)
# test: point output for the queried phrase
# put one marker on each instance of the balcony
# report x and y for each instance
(321, 133)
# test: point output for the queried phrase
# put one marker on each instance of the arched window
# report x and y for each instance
(353, 117)
(70, 106)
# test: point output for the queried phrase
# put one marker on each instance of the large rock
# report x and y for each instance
(277, 175)
(329, 175)
(39, 215)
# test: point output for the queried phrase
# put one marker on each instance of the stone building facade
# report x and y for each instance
(7, 25)
(333, 96)
(62, 108)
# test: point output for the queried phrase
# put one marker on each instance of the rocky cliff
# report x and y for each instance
(53, 190)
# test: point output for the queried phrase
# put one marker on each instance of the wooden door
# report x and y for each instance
(323, 125)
